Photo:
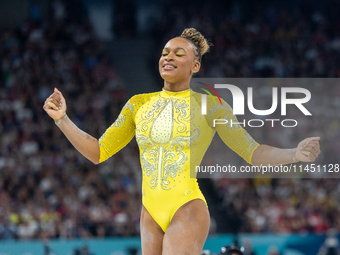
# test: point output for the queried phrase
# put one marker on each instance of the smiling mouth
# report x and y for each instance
(169, 67)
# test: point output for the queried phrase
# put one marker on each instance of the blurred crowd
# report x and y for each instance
(49, 190)
(258, 39)
(285, 205)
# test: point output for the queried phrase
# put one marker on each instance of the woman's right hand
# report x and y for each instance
(55, 105)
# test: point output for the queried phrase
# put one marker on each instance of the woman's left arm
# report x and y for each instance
(306, 151)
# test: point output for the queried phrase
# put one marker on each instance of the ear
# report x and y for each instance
(196, 67)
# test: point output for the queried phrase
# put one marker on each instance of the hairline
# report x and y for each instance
(193, 44)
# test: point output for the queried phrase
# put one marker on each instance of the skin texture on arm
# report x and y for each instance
(55, 107)
(118, 135)
(306, 151)
(87, 145)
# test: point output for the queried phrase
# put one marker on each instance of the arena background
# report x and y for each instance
(99, 53)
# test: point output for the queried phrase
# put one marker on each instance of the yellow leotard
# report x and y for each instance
(173, 137)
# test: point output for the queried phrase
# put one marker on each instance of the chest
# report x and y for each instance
(163, 119)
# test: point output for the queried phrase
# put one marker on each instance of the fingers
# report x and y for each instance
(58, 93)
(310, 140)
(311, 155)
(315, 138)
(55, 101)
(52, 105)
(312, 145)
(312, 151)
(310, 148)
(306, 153)
(57, 96)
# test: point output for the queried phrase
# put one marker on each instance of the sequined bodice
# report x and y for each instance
(172, 136)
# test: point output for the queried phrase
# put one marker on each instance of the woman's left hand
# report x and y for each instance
(308, 149)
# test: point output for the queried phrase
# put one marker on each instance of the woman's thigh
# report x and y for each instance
(151, 234)
(188, 229)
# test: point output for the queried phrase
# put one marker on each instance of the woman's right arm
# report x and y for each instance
(88, 146)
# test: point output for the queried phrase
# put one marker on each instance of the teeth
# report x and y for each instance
(169, 66)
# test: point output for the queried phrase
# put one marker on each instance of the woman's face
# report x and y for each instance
(178, 61)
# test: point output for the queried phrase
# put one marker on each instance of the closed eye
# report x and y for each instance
(180, 54)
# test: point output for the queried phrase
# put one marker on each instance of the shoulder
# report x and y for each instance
(141, 99)
(138, 100)
(144, 96)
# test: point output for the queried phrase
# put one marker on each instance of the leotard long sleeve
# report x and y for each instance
(173, 137)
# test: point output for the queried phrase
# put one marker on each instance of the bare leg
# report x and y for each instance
(151, 234)
(188, 230)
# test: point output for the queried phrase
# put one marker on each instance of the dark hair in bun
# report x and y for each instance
(201, 45)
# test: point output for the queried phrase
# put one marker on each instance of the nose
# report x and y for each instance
(169, 56)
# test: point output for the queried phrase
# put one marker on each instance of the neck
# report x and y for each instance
(176, 87)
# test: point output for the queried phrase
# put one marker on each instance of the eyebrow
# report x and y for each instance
(178, 48)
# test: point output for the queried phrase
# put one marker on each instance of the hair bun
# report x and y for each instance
(197, 38)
